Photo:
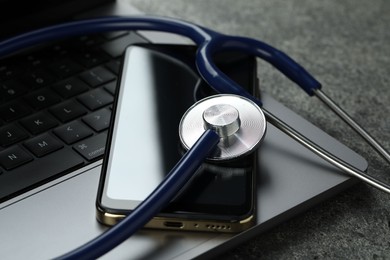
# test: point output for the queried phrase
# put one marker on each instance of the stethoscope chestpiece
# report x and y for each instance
(238, 121)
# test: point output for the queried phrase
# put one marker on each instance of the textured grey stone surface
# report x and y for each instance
(346, 46)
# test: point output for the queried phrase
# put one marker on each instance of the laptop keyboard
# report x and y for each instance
(55, 108)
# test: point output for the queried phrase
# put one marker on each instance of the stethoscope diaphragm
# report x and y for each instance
(238, 121)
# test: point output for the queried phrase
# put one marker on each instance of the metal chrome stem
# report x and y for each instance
(324, 154)
(352, 123)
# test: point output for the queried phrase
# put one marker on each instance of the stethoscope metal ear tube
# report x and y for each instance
(209, 43)
(352, 123)
(326, 155)
(193, 124)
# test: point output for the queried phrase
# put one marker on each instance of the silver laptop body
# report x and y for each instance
(59, 215)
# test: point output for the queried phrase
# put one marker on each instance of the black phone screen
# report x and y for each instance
(159, 83)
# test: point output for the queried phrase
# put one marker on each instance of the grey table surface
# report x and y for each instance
(346, 46)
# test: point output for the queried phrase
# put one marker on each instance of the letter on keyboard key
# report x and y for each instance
(68, 110)
(37, 171)
(93, 147)
(10, 134)
(98, 120)
(39, 78)
(96, 98)
(11, 89)
(73, 132)
(13, 110)
(43, 144)
(65, 68)
(14, 157)
(38, 123)
(70, 87)
(97, 76)
(42, 98)
(90, 58)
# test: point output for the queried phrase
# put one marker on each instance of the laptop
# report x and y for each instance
(48, 183)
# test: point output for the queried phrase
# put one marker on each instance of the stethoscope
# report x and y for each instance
(211, 127)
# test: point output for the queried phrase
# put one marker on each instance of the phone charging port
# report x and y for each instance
(173, 224)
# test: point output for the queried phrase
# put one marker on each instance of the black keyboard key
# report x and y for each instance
(70, 87)
(96, 99)
(37, 171)
(93, 147)
(8, 71)
(13, 110)
(59, 50)
(65, 68)
(10, 134)
(98, 120)
(111, 87)
(86, 41)
(34, 60)
(38, 123)
(90, 58)
(73, 132)
(38, 78)
(13, 157)
(43, 145)
(42, 98)
(114, 66)
(11, 89)
(97, 76)
(68, 110)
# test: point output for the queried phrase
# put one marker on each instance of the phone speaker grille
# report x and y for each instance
(218, 227)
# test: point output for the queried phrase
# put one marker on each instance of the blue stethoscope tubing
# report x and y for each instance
(209, 43)
(153, 204)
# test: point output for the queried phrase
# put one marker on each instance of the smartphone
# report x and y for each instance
(158, 84)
